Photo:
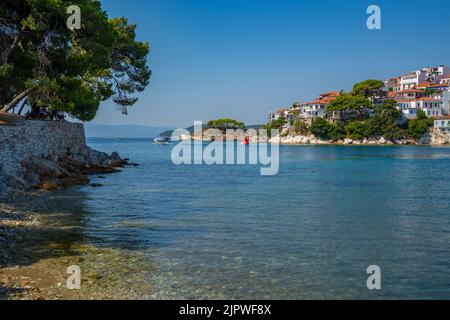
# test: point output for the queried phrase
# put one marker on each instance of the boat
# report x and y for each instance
(162, 140)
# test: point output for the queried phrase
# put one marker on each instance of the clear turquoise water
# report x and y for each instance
(310, 232)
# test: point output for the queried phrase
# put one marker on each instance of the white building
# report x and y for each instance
(446, 103)
(443, 124)
(412, 79)
(393, 84)
(275, 115)
(314, 109)
(445, 80)
(431, 107)
(318, 107)
(429, 74)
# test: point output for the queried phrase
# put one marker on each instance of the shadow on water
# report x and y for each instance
(56, 227)
(48, 231)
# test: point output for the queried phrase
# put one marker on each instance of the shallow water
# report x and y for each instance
(309, 232)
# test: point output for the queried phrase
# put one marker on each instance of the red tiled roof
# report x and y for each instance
(410, 91)
(438, 85)
(427, 99)
(331, 94)
(444, 118)
(446, 77)
(392, 94)
(423, 85)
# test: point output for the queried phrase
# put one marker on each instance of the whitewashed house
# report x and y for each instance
(446, 80)
(412, 79)
(431, 107)
(446, 103)
(428, 74)
(442, 124)
(277, 114)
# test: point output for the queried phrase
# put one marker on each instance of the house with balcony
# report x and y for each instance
(432, 75)
(446, 103)
(435, 74)
(446, 80)
(277, 114)
(393, 84)
(317, 108)
(441, 87)
(431, 107)
(410, 94)
(442, 124)
(412, 79)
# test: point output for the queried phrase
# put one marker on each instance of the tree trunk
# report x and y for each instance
(16, 100)
(7, 53)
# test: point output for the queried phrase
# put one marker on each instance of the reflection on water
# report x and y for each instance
(309, 232)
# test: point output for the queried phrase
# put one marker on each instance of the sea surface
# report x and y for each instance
(310, 232)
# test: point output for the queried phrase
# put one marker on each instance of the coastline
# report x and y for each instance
(36, 158)
(432, 137)
(38, 243)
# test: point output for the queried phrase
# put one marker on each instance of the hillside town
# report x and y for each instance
(425, 92)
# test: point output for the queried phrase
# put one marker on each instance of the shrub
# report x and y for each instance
(324, 130)
(300, 127)
(356, 130)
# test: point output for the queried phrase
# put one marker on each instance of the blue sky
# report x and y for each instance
(243, 58)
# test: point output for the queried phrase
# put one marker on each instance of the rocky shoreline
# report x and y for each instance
(381, 141)
(49, 155)
(32, 262)
(431, 138)
(36, 157)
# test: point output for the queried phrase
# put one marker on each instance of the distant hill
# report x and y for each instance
(122, 131)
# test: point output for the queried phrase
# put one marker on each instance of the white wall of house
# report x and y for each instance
(445, 80)
(442, 124)
(431, 108)
(314, 110)
(412, 79)
(446, 103)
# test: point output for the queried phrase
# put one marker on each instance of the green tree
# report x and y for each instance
(419, 126)
(226, 123)
(300, 127)
(421, 115)
(370, 89)
(327, 131)
(47, 65)
(348, 102)
(356, 130)
(386, 123)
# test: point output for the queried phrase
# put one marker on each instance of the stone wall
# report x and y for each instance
(49, 155)
(46, 139)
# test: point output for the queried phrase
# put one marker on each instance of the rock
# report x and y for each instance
(348, 141)
(382, 140)
(48, 171)
(426, 139)
(115, 156)
(49, 186)
(96, 185)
